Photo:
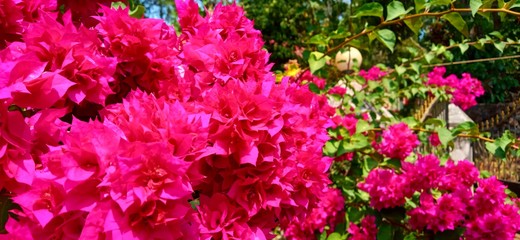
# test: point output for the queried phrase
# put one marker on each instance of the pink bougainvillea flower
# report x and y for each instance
(338, 90)
(386, 188)
(150, 220)
(489, 194)
(44, 200)
(220, 218)
(445, 213)
(146, 171)
(434, 139)
(373, 74)
(464, 90)
(398, 141)
(10, 22)
(424, 173)
(308, 77)
(367, 229)
(500, 224)
(460, 174)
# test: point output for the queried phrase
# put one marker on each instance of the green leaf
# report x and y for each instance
(138, 12)
(384, 232)
(484, 174)
(450, 234)
(419, 5)
(316, 61)
(331, 147)
(357, 141)
(363, 126)
(387, 37)
(434, 122)
(416, 67)
(500, 46)
(440, 2)
(497, 34)
(392, 163)
(396, 9)
(373, 9)
(354, 214)
(195, 203)
(6, 204)
(410, 236)
(334, 236)
(363, 196)
(448, 55)
(323, 235)
(370, 164)
(319, 40)
(410, 121)
(463, 47)
(504, 141)
(456, 20)
(415, 24)
(429, 57)
(468, 126)
(475, 5)
(117, 5)
(445, 136)
(314, 88)
(400, 70)
(511, 4)
(496, 150)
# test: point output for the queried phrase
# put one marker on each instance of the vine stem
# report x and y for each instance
(471, 61)
(397, 224)
(462, 135)
(418, 15)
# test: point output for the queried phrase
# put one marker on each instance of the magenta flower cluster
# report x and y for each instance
(397, 141)
(373, 74)
(446, 198)
(366, 230)
(118, 128)
(465, 90)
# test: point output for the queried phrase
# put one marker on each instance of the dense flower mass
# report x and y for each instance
(373, 74)
(118, 128)
(464, 90)
(446, 199)
(367, 229)
(398, 141)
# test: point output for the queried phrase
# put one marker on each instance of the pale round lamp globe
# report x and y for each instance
(348, 58)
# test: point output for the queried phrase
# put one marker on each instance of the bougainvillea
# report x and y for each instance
(398, 141)
(464, 90)
(123, 129)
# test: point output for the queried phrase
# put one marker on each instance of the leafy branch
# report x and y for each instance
(367, 31)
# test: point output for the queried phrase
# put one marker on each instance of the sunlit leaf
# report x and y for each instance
(316, 61)
(475, 5)
(373, 9)
(456, 20)
(387, 37)
(396, 9)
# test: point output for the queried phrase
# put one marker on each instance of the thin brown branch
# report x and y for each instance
(477, 42)
(418, 15)
(471, 61)
(462, 135)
